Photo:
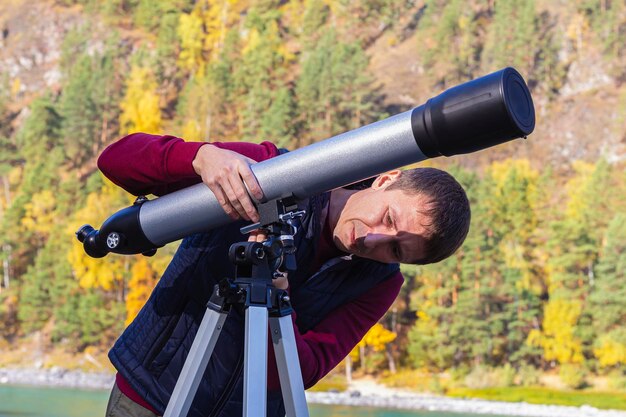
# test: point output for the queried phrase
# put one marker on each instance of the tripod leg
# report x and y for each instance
(288, 365)
(195, 364)
(255, 363)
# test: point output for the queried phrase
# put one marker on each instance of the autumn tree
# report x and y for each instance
(370, 349)
(140, 105)
(207, 105)
(143, 278)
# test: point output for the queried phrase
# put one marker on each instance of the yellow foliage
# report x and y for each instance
(377, 338)
(140, 107)
(610, 352)
(213, 17)
(252, 41)
(514, 248)
(40, 216)
(16, 87)
(463, 22)
(104, 272)
(271, 36)
(273, 32)
(143, 278)
(336, 7)
(191, 40)
(15, 175)
(218, 16)
(513, 254)
(578, 203)
(501, 170)
(292, 13)
(423, 316)
(191, 130)
(578, 29)
(557, 336)
(354, 353)
(202, 32)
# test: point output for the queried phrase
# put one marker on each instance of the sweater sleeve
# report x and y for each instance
(323, 347)
(149, 164)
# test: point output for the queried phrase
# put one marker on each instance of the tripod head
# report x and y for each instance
(258, 263)
(279, 222)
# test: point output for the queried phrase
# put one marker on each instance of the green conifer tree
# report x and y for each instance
(608, 295)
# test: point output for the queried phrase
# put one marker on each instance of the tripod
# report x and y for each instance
(256, 263)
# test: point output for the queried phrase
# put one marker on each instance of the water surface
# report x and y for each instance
(58, 402)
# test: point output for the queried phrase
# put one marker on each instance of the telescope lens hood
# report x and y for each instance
(476, 115)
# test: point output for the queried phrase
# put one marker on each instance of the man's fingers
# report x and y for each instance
(234, 199)
(243, 199)
(250, 180)
(221, 197)
(257, 236)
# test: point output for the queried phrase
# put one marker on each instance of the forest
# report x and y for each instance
(539, 287)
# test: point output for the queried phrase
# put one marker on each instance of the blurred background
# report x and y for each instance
(533, 303)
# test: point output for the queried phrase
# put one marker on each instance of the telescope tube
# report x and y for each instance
(475, 115)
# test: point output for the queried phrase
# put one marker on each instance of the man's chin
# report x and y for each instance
(339, 244)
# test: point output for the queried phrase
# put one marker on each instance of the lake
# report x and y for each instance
(57, 402)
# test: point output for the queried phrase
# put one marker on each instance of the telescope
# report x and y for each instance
(478, 114)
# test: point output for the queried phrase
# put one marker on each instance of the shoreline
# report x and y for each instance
(57, 377)
(362, 393)
(435, 403)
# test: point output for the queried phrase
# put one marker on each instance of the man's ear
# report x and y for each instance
(386, 179)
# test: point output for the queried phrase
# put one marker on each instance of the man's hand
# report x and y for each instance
(279, 282)
(227, 174)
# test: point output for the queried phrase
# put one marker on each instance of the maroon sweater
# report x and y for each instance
(148, 164)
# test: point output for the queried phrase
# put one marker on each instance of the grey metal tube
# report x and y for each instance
(311, 170)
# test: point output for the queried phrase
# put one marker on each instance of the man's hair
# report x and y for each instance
(448, 209)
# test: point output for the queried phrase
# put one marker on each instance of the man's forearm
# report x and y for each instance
(150, 164)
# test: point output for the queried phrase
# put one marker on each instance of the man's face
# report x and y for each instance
(383, 225)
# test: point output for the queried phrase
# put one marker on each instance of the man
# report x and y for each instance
(348, 250)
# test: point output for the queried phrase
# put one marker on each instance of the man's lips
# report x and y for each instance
(352, 239)
(354, 243)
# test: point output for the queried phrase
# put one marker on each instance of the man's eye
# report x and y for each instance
(396, 252)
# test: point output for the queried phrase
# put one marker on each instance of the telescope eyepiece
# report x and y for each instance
(83, 232)
(89, 237)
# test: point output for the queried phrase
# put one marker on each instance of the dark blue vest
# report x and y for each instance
(152, 350)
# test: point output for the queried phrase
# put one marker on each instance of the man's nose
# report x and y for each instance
(374, 239)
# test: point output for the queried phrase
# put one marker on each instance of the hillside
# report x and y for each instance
(583, 119)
